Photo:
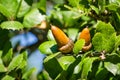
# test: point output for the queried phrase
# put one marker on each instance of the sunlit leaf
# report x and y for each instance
(4, 11)
(65, 61)
(42, 5)
(24, 8)
(78, 46)
(112, 63)
(105, 28)
(87, 65)
(8, 77)
(112, 7)
(2, 67)
(7, 53)
(72, 33)
(74, 3)
(13, 25)
(27, 74)
(111, 67)
(16, 61)
(95, 9)
(48, 47)
(33, 18)
(100, 42)
(24, 61)
(11, 6)
(50, 35)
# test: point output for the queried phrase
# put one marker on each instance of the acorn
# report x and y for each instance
(85, 34)
(64, 43)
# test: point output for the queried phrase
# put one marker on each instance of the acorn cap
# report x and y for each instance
(86, 48)
(68, 47)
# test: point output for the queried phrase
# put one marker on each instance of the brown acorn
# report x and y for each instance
(64, 43)
(85, 34)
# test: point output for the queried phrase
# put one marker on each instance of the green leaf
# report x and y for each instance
(11, 6)
(4, 11)
(22, 64)
(78, 46)
(62, 76)
(8, 77)
(101, 43)
(69, 18)
(98, 42)
(95, 9)
(111, 43)
(65, 61)
(101, 4)
(71, 69)
(33, 18)
(58, 1)
(48, 47)
(50, 35)
(113, 7)
(24, 8)
(80, 4)
(105, 28)
(43, 75)
(51, 56)
(42, 5)
(16, 61)
(8, 57)
(113, 58)
(112, 63)
(87, 65)
(57, 18)
(118, 71)
(14, 25)
(2, 67)
(1, 51)
(24, 61)
(72, 33)
(27, 75)
(7, 53)
(52, 65)
(111, 67)
(101, 72)
(74, 3)
(78, 68)
(64, 18)
(117, 43)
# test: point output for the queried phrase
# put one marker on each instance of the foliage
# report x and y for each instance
(101, 62)
(16, 16)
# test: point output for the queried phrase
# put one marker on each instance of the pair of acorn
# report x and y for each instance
(65, 44)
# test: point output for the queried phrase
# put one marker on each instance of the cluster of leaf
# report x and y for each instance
(13, 67)
(16, 15)
(102, 17)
